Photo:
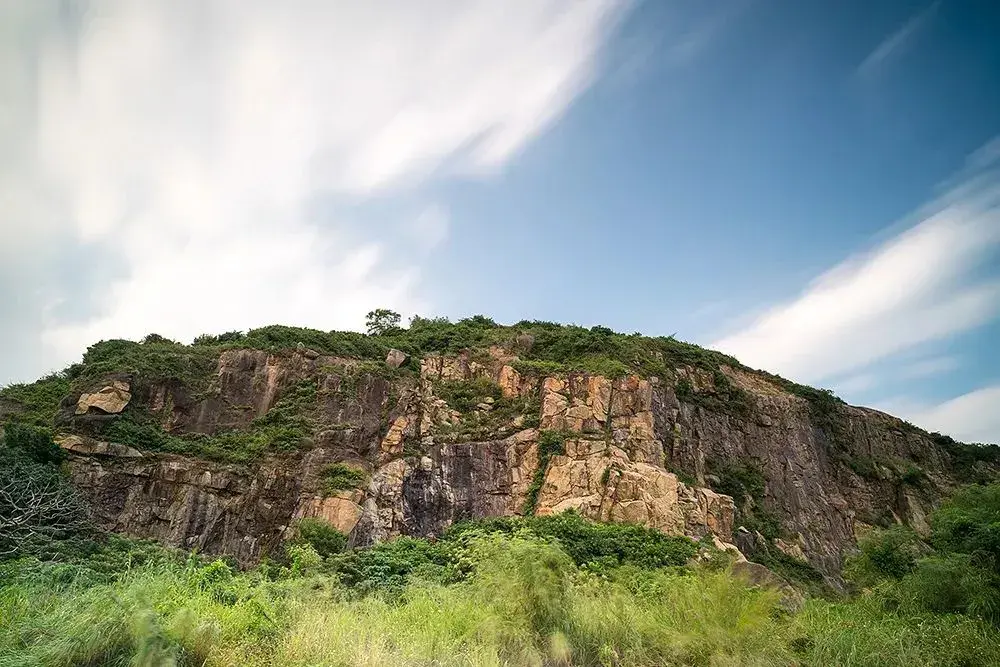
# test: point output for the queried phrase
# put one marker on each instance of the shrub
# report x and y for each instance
(741, 481)
(323, 537)
(969, 523)
(32, 442)
(954, 583)
(549, 443)
(885, 554)
(340, 477)
(381, 321)
(596, 545)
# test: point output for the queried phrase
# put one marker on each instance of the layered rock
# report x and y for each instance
(429, 464)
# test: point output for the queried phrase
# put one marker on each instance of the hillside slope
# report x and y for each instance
(222, 445)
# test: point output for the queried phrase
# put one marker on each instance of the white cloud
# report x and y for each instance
(430, 228)
(919, 286)
(896, 42)
(855, 383)
(971, 417)
(928, 367)
(190, 140)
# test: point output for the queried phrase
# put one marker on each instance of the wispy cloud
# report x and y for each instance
(897, 42)
(928, 367)
(919, 286)
(187, 143)
(971, 417)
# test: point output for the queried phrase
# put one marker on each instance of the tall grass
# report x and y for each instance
(525, 603)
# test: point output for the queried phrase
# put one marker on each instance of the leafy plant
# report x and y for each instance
(341, 477)
(381, 321)
(550, 443)
(324, 538)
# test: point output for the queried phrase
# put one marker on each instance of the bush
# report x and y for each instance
(969, 523)
(341, 477)
(589, 543)
(885, 554)
(550, 443)
(323, 537)
(31, 442)
(954, 583)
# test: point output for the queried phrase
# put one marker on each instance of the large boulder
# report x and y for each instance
(395, 358)
(110, 399)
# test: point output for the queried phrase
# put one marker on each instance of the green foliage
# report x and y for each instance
(38, 402)
(32, 442)
(155, 360)
(550, 443)
(969, 523)
(513, 599)
(220, 339)
(321, 536)
(972, 462)
(464, 396)
(337, 343)
(723, 396)
(957, 572)
(40, 511)
(741, 481)
(886, 554)
(340, 477)
(285, 427)
(381, 321)
(797, 571)
(386, 568)
(957, 583)
(597, 546)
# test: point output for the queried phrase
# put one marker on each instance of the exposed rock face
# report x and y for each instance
(110, 399)
(430, 463)
(601, 482)
(395, 358)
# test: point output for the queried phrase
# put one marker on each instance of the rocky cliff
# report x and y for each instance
(225, 447)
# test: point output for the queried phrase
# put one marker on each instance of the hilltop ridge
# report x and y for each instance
(224, 443)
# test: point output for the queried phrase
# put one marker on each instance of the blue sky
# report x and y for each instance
(810, 186)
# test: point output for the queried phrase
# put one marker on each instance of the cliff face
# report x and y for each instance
(470, 436)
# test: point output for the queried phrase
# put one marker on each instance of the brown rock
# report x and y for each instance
(83, 445)
(110, 399)
(395, 358)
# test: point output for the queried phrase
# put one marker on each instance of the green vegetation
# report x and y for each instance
(723, 396)
(324, 539)
(486, 413)
(957, 570)
(285, 427)
(537, 591)
(382, 321)
(744, 482)
(550, 443)
(970, 461)
(342, 477)
(40, 512)
(38, 402)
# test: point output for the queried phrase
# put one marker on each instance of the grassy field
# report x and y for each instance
(501, 600)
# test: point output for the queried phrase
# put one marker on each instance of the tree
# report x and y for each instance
(382, 321)
(37, 505)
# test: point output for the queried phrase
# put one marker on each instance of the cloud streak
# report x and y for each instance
(970, 417)
(896, 42)
(916, 287)
(191, 145)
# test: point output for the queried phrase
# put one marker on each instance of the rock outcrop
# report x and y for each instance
(110, 399)
(462, 439)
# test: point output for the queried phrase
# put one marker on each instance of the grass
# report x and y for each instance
(520, 601)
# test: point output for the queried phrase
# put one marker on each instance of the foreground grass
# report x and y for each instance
(524, 602)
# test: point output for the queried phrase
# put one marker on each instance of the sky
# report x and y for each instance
(813, 187)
